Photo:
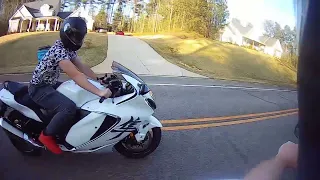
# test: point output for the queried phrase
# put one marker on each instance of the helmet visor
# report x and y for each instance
(75, 36)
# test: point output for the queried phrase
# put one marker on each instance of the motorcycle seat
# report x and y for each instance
(13, 87)
(21, 96)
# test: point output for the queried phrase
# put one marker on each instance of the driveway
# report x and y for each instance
(139, 57)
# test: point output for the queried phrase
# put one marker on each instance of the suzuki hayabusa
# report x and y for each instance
(124, 121)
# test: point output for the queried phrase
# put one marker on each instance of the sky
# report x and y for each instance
(257, 11)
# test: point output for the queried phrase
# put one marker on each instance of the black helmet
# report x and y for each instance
(72, 33)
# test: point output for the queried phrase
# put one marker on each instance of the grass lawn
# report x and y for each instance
(219, 60)
(19, 51)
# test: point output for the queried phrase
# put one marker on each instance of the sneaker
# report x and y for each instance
(50, 143)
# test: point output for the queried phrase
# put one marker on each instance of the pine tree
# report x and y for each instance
(117, 24)
(101, 18)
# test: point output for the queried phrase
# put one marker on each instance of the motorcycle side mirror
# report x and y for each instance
(144, 89)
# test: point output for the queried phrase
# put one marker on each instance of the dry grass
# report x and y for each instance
(221, 60)
(19, 51)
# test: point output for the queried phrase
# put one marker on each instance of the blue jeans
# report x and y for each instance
(63, 108)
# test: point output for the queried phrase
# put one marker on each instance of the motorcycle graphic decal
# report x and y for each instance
(126, 127)
(108, 122)
(97, 137)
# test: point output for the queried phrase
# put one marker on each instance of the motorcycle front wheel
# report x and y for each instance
(130, 148)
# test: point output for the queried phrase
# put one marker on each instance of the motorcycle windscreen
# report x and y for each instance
(117, 67)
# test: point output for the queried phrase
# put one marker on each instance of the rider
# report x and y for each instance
(62, 56)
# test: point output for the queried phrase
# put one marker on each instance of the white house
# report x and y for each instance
(244, 34)
(82, 12)
(235, 31)
(43, 15)
(272, 46)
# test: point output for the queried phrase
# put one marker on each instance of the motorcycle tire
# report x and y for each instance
(156, 138)
(22, 146)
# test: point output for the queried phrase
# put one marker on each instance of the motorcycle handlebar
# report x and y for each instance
(102, 99)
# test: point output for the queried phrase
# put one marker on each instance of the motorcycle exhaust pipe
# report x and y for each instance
(18, 133)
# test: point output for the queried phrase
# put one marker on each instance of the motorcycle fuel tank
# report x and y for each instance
(76, 93)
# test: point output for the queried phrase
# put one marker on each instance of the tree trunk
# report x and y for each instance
(143, 24)
(110, 19)
(133, 16)
(154, 25)
(175, 22)
(183, 18)
(154, 20)
(208, 30)
(170, 18)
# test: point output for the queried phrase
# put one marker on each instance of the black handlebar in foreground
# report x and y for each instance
(102, 99)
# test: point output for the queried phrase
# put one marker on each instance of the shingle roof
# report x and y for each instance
(231, 29)
(34, 7)
(248, 32)
(39, 3)
(243, 30)
(34, 12)
(64, 15)
(268, 41)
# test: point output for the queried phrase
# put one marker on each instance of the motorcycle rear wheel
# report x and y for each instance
(123, 146)
(23, 146)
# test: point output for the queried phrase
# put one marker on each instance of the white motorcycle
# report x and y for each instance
(124, 121)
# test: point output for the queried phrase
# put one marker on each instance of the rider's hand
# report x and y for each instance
(105, 93)
(100, 81)
(288, 155)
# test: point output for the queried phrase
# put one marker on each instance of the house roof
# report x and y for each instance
(231, 29)
(247, 30)
(33, 12)
(34, 7)
(39, 3)
(244, 30)
(268, 41)
(64, 15)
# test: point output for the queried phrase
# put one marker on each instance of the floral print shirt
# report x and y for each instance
(48, 70)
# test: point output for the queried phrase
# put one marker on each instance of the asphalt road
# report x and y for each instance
(207, 153)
